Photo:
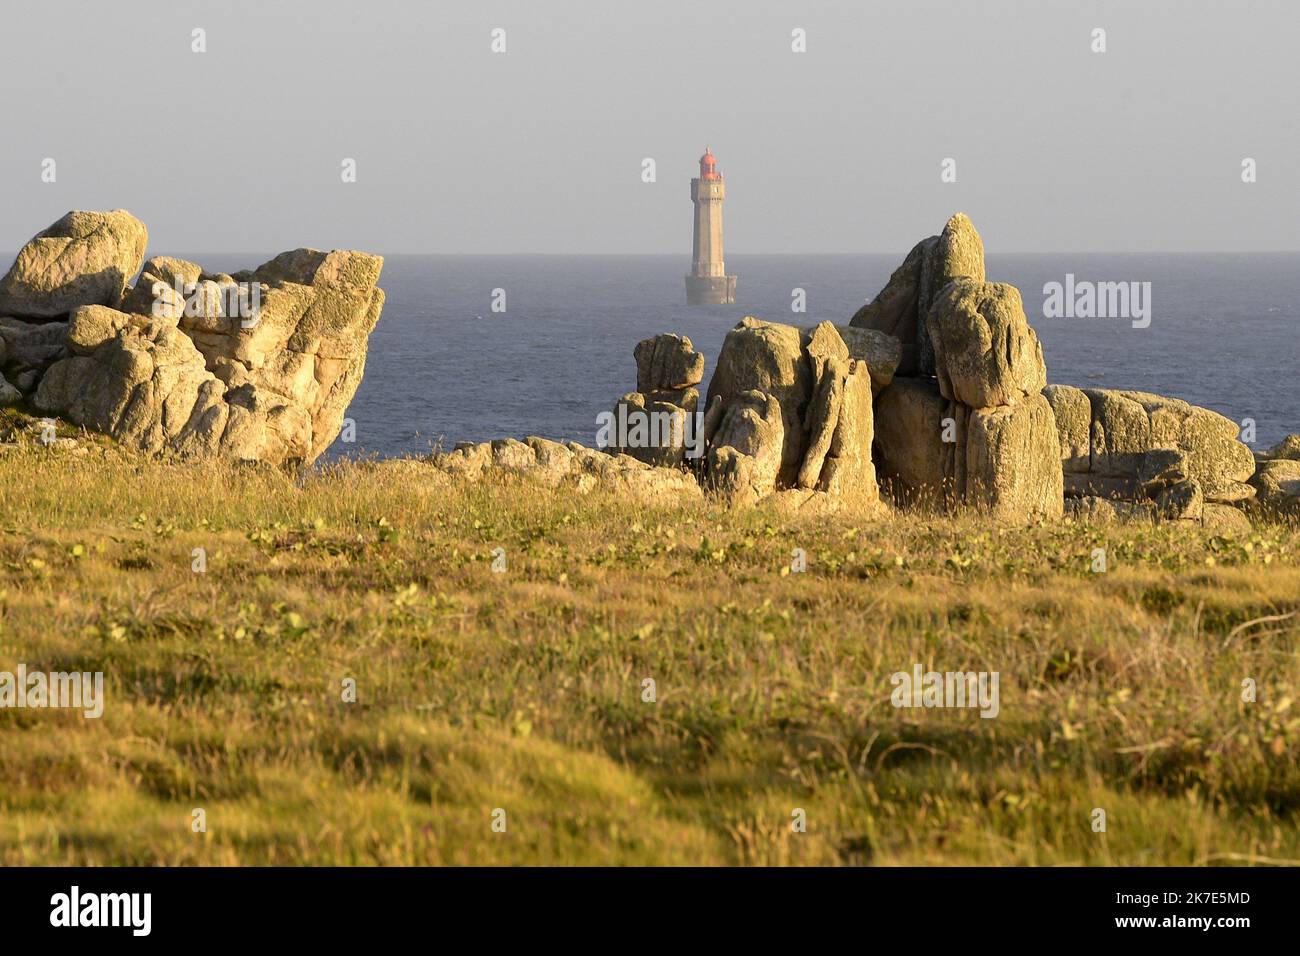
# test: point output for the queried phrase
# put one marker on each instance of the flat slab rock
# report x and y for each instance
(1107, 434)
(571, 466)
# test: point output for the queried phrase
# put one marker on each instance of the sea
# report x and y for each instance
(445, 366)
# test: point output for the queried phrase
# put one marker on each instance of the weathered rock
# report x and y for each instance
(985, 353)
(571, 467)
(86, 258)
(1008, 462)
(745, 452)
(1180, 501)
(147, 387)
(957, 253)
(914, 463)
(551, 457)
(687, 399)
(511, 454)
(767, 357)
(467, 459)
(828, 359)
(1225, 519)
(822, 397)
(667, 362)
(1160, 469)
(895, 310)
(90, 326)
(848, 471)
(30, 349)
(650, 431)
(156, 293)
(1107, 511)
(271, 386)
(8, 394)
(1288, 447)
(1124, 427)
(879, 352)
(1278, 484)
(1073, 414)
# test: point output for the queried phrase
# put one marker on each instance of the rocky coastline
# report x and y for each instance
(934, 395)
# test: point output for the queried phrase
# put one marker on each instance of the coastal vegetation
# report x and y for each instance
(498, 638)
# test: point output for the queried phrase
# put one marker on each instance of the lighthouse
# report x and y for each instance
(708, 282)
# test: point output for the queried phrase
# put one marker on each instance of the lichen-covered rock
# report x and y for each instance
(957, 253)
(91, 326)
(819, 383)
(654, 432)
(147, 386)
(847, 470)
(1182, 501)
(878, 352)
(667, 362)
(1095, 510)
(1073, 414)
(985, 353)
(86, 258)
(687, 399)
(767, 357)
(570, 467)
(1288, 447)
(1278, 485)
(272, 386)
(1007, 461)
(1125, 426)
(1225, 519)
(159, 292)
(828, 357)
(745, 452)
(901, 307)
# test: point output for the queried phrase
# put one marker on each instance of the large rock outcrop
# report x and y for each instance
(916, 435)
(746, 446)
(1004, 462)
(967, 427)
(657, 424)
(940, 455)
(790, 409)
(985, 353)
(1173, 459)
(86, 258)
(260, 365)
(768, 358)
(895, 310)
(901, 307)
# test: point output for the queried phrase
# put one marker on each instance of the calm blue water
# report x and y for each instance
(444, 368)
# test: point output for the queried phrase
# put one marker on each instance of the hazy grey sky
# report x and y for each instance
(539, 149)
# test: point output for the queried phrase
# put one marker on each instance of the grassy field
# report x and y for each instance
(523, 690)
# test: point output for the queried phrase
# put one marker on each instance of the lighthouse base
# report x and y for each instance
(710, 290)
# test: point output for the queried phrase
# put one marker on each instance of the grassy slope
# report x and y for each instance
(522, 690)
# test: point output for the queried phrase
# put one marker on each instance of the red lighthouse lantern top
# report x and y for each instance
(709, 166)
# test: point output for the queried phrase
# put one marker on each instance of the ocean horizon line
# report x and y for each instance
(745, 255)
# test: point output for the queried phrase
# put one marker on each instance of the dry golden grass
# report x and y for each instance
(522, 690)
